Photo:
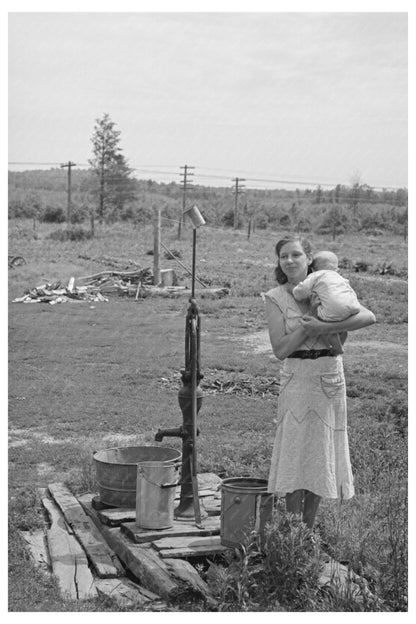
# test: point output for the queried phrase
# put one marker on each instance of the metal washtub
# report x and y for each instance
(116, 471)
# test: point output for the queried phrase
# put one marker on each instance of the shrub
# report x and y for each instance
(53, 214)
(228, 219)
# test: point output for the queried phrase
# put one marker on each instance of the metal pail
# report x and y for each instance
(116, 471)
(245, 506)
(156, 488)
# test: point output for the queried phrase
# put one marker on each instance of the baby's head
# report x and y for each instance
(324, 261)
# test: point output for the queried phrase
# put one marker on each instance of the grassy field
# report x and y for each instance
(84, 376)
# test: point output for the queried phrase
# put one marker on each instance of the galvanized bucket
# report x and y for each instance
(245, 506)
(116, 471)
(156, 487)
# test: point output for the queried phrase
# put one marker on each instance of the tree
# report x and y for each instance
(115, 185)
(356, 186)
(319, 195)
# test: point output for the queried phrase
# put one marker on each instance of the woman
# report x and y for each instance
(310, 458)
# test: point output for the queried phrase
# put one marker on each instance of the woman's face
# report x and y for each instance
(294, 262)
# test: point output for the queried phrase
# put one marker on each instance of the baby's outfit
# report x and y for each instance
(337, 299)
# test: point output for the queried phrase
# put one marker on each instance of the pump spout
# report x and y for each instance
(169, 433)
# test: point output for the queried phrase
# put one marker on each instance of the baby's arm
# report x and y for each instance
(303, 290)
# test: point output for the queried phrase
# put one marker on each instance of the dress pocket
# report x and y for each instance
(332, 385)
(284, 379)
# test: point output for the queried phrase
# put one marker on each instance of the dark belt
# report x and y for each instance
(311, 354)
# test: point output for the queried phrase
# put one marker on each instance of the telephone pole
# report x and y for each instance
(185, 186)
(69, 164)
(238, 189)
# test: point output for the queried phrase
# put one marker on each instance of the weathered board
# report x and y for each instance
(38, 548)
(183, 570)
(115, 516)
(211, 526)
(103, 560)
(125, 593)
(189, 547)
(68, 559)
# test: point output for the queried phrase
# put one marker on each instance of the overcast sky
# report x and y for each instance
(301, 97)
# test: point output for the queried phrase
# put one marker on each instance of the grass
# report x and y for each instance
(84, 377)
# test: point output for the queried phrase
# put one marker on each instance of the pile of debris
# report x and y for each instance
(137, 283)
(90, 287)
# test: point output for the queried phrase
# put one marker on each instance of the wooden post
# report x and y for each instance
(69, 164)
(249, 228)
(92, 222)
(156, 246)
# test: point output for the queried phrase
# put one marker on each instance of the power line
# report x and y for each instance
(267, 180)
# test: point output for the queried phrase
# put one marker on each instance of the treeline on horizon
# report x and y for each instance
(43, 196)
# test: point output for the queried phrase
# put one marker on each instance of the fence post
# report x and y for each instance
(249, 228)
(156, 246)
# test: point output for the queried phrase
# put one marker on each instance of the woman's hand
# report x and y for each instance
(311, 325)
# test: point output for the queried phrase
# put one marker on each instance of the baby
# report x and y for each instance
(332, 298)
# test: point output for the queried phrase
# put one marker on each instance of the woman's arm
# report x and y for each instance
(282, 344)
(315, 327)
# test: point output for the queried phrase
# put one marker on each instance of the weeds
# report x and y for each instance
(282, 571)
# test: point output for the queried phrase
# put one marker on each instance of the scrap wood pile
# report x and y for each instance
(89, 288)
(137, 283)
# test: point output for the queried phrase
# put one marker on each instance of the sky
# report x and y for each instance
(280, 99)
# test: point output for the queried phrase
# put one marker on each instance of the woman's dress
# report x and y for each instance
(311, 445)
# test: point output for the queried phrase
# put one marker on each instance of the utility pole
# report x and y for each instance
(156, 245)
(69, 164)
(237, 190)
(185, 186)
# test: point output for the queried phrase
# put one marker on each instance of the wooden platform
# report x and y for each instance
(94, 551)
(102, 545)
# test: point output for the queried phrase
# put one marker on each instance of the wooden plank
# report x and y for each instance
(125, 593)
(38, 548)
(103, 560)
(198, 550)
(211, 526)
(68, 560)
(114, 517)
(186, 572)
(186, 542)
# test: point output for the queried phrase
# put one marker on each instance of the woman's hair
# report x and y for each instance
(281, 278)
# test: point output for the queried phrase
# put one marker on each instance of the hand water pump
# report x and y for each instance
(190, 399)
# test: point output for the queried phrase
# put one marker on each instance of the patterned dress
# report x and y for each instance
(311, 446)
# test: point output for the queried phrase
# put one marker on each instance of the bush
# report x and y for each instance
(53, 214)
(228, 219)
(73, 234)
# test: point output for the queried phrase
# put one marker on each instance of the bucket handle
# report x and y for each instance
(160, 485)
(168, 485)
